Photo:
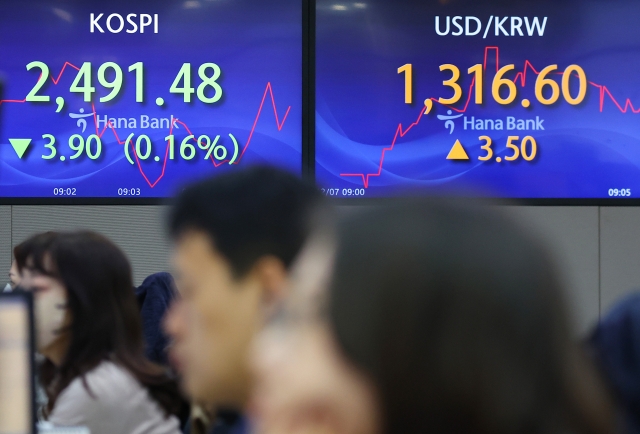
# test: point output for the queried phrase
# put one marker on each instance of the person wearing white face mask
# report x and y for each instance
(88, 329)
(14, 278)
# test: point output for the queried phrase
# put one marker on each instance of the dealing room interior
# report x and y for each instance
(319, 216)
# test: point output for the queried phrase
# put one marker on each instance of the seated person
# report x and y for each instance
(14, 277)
(155, 295)
(235, 236)
(88, 328)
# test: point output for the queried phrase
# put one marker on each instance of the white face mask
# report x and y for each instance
(50, 314)
(50, 308)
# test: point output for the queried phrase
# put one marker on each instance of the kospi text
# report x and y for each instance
(115, 23)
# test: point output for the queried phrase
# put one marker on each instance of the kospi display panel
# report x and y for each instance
(136, 98)
(522, 99)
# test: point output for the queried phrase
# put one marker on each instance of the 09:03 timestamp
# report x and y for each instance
(622, 192)
(343, 192)
(129, 192)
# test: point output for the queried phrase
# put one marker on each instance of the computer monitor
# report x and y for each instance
(197, 89)
(535, 100)
(17, 398)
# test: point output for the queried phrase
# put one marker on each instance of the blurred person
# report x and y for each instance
(14, 274)
(14, 277)
(235, 236)
(155, 295)
(21, 250)
(615, 343)
(438, 319)
(89, 330)
(303, 383)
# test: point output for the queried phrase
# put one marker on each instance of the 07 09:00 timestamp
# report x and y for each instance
(344, 192)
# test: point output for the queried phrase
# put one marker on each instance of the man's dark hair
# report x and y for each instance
(249, 214)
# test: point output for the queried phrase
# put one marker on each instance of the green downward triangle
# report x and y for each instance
(20, 146)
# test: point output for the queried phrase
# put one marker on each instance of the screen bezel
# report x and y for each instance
(482, 200)
(27, 299)
(308, 131)
(308, 160)
(617, 203)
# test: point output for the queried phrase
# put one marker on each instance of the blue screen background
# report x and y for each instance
(257, 44)
(583, 151)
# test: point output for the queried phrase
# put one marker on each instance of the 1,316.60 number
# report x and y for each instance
(504, 90)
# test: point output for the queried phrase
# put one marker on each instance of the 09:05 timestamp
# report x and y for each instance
(344, 192)
(622, 192)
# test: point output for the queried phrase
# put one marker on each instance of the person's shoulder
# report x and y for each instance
(109, 399)
(88, 397)
(106, 382)
(111, 380)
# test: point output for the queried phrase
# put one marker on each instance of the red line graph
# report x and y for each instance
(267, 92)
(604, 92)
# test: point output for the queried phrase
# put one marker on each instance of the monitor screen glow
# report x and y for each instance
(523, 99)
(133, 99)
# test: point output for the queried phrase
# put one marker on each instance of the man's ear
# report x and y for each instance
(273, 278)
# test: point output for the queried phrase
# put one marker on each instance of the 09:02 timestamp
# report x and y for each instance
(64, 191)
(344, 192)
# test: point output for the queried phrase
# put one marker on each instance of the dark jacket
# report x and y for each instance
(616, 346)
(154, 297)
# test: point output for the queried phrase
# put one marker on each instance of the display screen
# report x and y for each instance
(16, 399)
(505, 99)
(136, 98)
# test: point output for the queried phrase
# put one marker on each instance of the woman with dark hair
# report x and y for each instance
(89, 331)
(439, 319)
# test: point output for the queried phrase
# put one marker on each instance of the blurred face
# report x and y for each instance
(14, 275)
(303, 383)
(50, 306)
(213, 322)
